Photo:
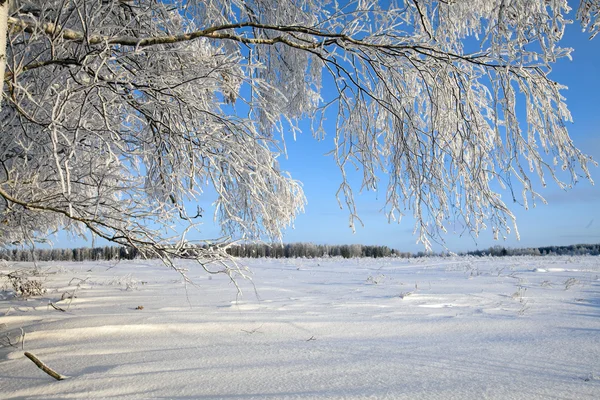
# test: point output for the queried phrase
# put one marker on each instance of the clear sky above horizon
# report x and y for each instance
(568, 218)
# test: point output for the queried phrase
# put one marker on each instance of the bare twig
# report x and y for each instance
(56, 307)
(252, 331)
(45, 368)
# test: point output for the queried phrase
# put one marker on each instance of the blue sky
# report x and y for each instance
(570, 217)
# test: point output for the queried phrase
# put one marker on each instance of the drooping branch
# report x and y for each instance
(589, 15)
(122, 114)
(51, 29)
(319, 40)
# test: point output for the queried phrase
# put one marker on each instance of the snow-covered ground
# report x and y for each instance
(432, 328)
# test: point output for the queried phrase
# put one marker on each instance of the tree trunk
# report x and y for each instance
(4, 6)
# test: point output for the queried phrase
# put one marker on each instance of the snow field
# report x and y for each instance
(432, 328)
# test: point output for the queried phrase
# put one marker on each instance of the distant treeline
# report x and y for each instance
(571, 250)
(311, 250)
(107, 253)
(252, 250)
(292, 250)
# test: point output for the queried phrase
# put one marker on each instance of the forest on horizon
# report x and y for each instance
(291, 250)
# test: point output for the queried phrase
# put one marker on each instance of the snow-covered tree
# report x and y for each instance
(116, 114)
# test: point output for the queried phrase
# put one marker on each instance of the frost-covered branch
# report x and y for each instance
(118, 115)
(589, 15)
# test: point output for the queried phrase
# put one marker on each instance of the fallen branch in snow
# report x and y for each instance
(45, 368)
(255, 330)
(56, 307)
(6, 340)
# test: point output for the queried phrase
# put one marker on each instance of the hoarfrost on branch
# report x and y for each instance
(117, 113)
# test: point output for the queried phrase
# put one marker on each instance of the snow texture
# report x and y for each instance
(433, 328)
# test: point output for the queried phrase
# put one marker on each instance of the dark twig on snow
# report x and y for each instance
(45, 368)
